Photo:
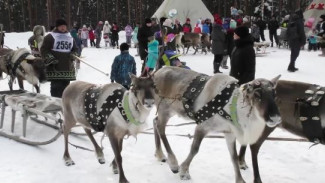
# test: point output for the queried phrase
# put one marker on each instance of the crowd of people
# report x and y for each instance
(155, 42)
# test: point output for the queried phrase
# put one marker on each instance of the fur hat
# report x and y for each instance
(60, 22)
(124, 47)
(106, 22)
(168, 22)
(242, 31)
(147, 20)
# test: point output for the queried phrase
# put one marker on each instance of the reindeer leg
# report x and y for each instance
(68, 124)
(159, 153)
(231, 144)
(114, 165)
(198, 137)
(161, 125)
(118, 158)
(37, 88)
(98, 150)
(254, 151)
(11, 80)
(20, 83)
(241, 161)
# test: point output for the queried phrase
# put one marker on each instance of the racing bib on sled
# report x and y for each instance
(63, 42)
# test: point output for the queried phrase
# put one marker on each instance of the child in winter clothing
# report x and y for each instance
(312, 41)
(91, 36)
(197, 29)
(153, 53)
(128, 33)
(123, 65)
(106, 32)
(115, 30)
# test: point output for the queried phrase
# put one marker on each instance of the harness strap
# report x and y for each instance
(98, 119)
(17, 65)
(191, 94)
(216, 105)
(127, 112)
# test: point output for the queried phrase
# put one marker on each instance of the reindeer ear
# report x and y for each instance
(133, 77)
(275, 80)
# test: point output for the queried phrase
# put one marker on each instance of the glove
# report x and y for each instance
(51, 60)
(112, 81)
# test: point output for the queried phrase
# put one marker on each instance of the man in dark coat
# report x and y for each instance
(296, 36)
(218, 45)
(273, 27)
(98, 33)
(262, 25)
(144, 33)
(58, 50)
(243, 56)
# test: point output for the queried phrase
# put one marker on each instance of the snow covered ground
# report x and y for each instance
(285, 162)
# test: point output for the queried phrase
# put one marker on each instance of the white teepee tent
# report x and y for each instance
(315, 10)
(193, 9)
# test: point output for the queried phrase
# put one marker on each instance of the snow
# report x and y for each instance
(285, 162)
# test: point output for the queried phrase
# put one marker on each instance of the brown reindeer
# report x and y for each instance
(253, 108)
(287, 93)
(108, 108)
(21, 64)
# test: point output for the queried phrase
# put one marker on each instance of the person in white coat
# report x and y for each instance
(84, 36)
(107, 32)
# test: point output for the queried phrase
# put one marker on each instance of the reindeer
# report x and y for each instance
(23, 65)
(191, 39)
(119, 113)
(288, 96)
(254, 110)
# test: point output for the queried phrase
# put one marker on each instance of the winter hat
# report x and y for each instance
(242, 31)
(188, 20)
(100, 22)
(217, 19)
(124, 47)
(60, 22)
(168, 22)
(106, 22)
(84, 26)
(147, 20)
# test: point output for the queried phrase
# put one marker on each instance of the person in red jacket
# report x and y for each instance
(197, 29)
(91, 36)
(187, 26)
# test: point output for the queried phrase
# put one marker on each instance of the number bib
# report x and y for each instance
(63, 42)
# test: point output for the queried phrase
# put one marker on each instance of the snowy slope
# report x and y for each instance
(285, 162)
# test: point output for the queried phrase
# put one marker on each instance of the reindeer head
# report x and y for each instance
(37, 67)
(260, 94)
(144, 89)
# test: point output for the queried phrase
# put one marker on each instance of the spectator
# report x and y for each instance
(262, 25)
(273, 27)
(197, 29)
(206, 28)
(84, 36)
(255, 32)
(144, 33)
(98, 33)
(312, 41)
(58, 50)
(128, 33)
(187, 27)
(115, 37)
(297, 38)
(168, 35)
(178, 27)
(107, 32)
(123, 65)
(243, 56)
(229, 46)
(36, 39)
(218, 44)
(153, 53)
(91, 36)
(320, 27)
(135, 37)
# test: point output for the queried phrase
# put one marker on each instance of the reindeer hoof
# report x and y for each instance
(243, 166)
(185, 176)
(101, 161)
(163, 160)
(69, 163)
(115, 170)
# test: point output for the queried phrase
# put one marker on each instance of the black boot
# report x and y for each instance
(291, 67)
(216, 68)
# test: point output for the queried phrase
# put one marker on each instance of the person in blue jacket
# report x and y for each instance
(123, 65)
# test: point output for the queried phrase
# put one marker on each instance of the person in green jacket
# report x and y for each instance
(153, 53)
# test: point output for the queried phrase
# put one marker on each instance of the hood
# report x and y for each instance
(39, 30)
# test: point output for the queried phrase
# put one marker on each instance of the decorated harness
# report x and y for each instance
(215, 106)
(12, 67)
(309, 110)
(98, 118)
